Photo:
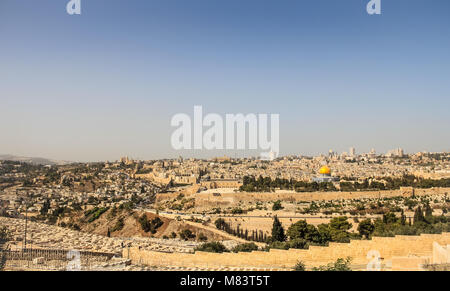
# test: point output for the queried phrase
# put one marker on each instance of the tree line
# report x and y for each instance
(254, 235)
(267, 184)
(301, 235)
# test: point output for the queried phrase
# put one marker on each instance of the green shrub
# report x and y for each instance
(247, 247)
(96, 213)
(277, 206)
(150, 225)
(186, 234)
(4, 234)
(202, 237)
(212, 247)
(279, 245)
(237, 211)
(300, 266)
(220, 223)
(339, 265)
(118, 226)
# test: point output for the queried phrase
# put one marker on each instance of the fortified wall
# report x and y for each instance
(214, 199)
(396, 253)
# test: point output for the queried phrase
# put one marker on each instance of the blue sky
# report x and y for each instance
(106, 83)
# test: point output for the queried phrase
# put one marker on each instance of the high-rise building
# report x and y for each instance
(396, 153)
(352, 152)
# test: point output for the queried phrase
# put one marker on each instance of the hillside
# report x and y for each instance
(130, 223)
(32, 160)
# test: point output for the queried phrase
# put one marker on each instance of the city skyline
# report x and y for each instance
(106, 83)
(224, 137)
(235, 155)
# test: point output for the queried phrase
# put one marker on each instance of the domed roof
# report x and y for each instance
(325, 170)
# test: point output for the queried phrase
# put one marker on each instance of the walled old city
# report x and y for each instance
(336, 211)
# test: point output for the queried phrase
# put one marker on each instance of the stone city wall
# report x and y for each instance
(231, 198)
(389, 249)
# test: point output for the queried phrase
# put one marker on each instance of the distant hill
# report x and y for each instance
(33, 160)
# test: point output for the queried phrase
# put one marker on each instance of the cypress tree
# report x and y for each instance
(277, 230)
(418, 215)
(403, 218)
(428, 211)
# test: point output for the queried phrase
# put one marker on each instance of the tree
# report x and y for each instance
(152, 225)
(324, 233)
(339, 227)
(277, 205)
(220, 223)
(418, 215)
(302, 230)
(202, 237)
(403, 218)
(119, 225)
(298, 243)
(277, 230)
(428, 211)
(390, 218)
(339, 265)
(297, 230)
(212, 247)
(4, 234)
(247, 247)
(186, 234)
(300, 266)
(366, 228)
(340, 223)
(45, 207)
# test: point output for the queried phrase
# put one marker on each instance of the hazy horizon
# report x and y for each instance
(206, 155)
(106, 83)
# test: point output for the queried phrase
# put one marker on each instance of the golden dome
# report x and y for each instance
(325, 170)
